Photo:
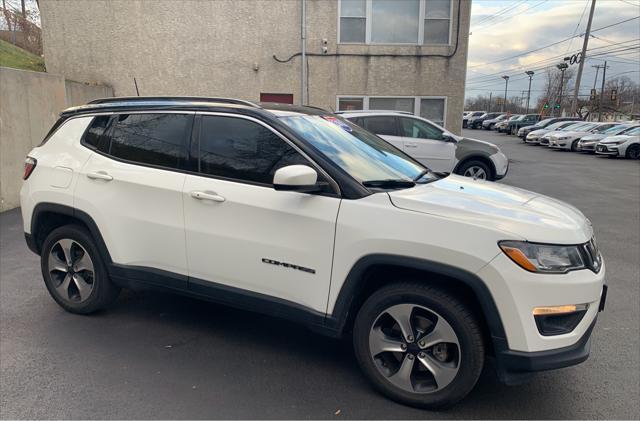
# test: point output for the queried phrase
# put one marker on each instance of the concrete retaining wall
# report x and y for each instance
(29, 105)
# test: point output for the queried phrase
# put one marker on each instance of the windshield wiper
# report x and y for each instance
(422, 174)
(390, 183)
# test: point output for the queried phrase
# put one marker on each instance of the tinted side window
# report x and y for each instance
(243, 150)
(95, 137)
(419, 129)
(382, 125)
(157, 139)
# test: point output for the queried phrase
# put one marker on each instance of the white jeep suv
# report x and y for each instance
(297, 213)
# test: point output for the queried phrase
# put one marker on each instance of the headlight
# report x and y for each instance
(543, 258)
(562, 137)
(617, 142)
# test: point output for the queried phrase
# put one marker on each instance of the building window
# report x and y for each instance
(432, 108)
(352, 21)
(437, 21)
(392, 104)
(348, 104)
(417, 22)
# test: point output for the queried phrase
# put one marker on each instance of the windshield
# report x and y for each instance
(577, 127)
(616, 129)
(559, 125)
(515, 117)
(363, 155)
(634, 131)
(544, 123)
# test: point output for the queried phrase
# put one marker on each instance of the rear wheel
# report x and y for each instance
(419, 345)
(74, 272)
(633, 152)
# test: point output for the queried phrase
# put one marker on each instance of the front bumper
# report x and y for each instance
(560, 143)
(587, 147)
(607, 150)
(544, 141)
(532, 139)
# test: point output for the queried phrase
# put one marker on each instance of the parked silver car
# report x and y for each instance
(588, 143)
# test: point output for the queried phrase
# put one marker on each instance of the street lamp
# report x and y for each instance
(506, 85)
(530, 74)
(562, 67)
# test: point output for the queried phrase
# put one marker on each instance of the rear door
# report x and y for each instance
(132, 187)
(240, 232)
(385, 126)
(425, 143)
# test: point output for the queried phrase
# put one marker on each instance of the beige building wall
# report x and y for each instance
(30, 103)
(226, 48)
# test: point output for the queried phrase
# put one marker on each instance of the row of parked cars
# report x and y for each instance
(615, 139)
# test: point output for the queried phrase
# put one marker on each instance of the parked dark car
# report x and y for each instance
(525, 120)
(489, 124)
(468, 115)
(524, 131)
(476, 122)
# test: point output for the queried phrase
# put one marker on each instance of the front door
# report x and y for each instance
(425, 143)
(242, 233)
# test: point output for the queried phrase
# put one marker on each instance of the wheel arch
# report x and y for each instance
(373, 271)
(477, 157)
(49, 216)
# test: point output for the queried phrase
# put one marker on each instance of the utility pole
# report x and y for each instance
(530, 74)
(604, 76)
(506, 85)
(489, 107)
(303, 56)
(585, 44)
(562, 67)
(597, 67)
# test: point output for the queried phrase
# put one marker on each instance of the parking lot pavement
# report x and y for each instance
(161, 356)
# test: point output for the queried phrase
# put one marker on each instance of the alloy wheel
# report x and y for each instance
(71, 270)
(476, 173)
(414, 348)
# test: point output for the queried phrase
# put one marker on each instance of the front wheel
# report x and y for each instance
(477, 170)
(574, 146)
(633, 152)
(419, 345)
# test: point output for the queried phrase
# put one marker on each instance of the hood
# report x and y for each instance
(519, 214)
(617, 138)
(593, 137)
(553, 133)
(573, 133)
(477, 145)
(539, 132)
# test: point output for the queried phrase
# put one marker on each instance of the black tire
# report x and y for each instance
(491, 126)
(466, 165)
(633, 152)
(450, 308)
(514, 131)
(574, 145)
(103, 291)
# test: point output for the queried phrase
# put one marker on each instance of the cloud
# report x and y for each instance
(531, 28)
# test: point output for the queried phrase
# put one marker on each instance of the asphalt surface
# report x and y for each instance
(160, 356)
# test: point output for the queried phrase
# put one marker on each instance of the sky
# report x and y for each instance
(501, 29)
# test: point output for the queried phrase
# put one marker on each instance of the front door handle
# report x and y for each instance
(201, 195)
(411, 145)
(99, 175)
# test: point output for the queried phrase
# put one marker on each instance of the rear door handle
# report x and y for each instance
(411, 145)
(200, 195)
(99, 175)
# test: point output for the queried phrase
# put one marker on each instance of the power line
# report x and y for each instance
(505, 18)
(500, 12)
(552, 44)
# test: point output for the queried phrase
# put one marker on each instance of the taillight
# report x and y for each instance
(29, 166)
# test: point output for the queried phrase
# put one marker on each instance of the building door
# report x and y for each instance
(279, 98)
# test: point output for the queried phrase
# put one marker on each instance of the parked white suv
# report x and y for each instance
(433, 146)
(297, 213)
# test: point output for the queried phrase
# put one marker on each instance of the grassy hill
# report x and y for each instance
(12, 56)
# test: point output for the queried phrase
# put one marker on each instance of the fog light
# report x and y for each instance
(558, 320)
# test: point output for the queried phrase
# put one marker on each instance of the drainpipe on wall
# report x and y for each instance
(303, 57)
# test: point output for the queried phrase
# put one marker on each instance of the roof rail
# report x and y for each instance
(173, 98)
(374, 111)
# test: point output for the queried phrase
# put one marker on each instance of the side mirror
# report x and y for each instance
(300, 178)
(448, 138)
